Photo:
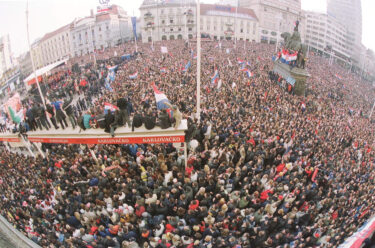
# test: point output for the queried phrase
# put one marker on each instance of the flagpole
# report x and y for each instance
(198, 60)
(135, 34)
(92, 44)
(31, 57)
(235, 26)
(372, 110)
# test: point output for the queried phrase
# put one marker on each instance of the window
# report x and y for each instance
(179, 29)
(100, 28)
(162, 21)
(171, 29)
(241, 30)
(107, 27)
(190, 29)
(171, 21)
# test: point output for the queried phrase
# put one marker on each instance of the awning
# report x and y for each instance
(31, 78)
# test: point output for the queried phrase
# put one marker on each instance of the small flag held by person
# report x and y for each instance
(161, 98)
(110, 107)
(134, 75)
(187, 66)
(215, 77)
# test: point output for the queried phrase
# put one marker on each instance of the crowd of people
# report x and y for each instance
(271, 169)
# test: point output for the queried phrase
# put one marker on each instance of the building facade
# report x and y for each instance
(326, 34)
(349, 13)
(175, 19)
(55, 46)
(99, 31)
(275, 17)
(96, 32)
(36, 54)
(225, 22)
(6, 60)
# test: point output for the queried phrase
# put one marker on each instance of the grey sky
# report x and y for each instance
(48, 15)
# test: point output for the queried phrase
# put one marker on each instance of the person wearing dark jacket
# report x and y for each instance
(60, 116)
(42, 117)
(137, 121)
(51, 114)
(149, 120)
(164, 120)
(122, 104)
(31, 119)
(68, 108)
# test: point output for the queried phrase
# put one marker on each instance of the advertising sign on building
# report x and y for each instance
(103, 6)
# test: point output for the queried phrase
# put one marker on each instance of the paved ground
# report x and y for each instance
(5, 242)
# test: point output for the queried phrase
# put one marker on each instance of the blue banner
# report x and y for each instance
(134, 24)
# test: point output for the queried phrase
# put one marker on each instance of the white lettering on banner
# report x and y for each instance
(118, 140)
(113, 141)
(162, 139)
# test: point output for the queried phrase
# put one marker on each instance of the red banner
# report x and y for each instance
(8, 139)
(110, 140)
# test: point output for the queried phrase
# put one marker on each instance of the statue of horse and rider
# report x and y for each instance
(293, 43)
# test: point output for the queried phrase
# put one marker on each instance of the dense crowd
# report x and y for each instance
(271, 169)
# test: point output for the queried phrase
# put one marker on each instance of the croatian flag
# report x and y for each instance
(163, 70)
(110, 107)
(248, 72)
(286, 57)
(133, 76)
(160, 97)
(240, 61)
(338, 76)
(112, 75)
(186, 67)
(215, 77)
(248, 63)
(112, 68)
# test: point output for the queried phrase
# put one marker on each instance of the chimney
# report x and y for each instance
(92, 13)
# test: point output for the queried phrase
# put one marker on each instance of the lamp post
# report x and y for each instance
(92, 43)
(32, 60)
(235, 26)
(198, 61)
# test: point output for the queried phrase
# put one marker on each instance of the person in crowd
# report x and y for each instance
(60, 116)
(124, 113)
(68, 108)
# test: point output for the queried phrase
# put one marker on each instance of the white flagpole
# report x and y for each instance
(372, 110)
(198, 60)
(31, 57)
(135, 35)
(235, 26)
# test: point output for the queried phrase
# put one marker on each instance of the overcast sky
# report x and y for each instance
(48, 15)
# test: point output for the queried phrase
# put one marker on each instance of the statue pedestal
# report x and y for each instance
(296, 76)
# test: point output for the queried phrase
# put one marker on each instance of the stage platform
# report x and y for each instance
(123, 135)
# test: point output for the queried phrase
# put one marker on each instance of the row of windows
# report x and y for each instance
(92, 31)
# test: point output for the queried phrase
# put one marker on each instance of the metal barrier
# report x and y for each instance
(18, 239)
